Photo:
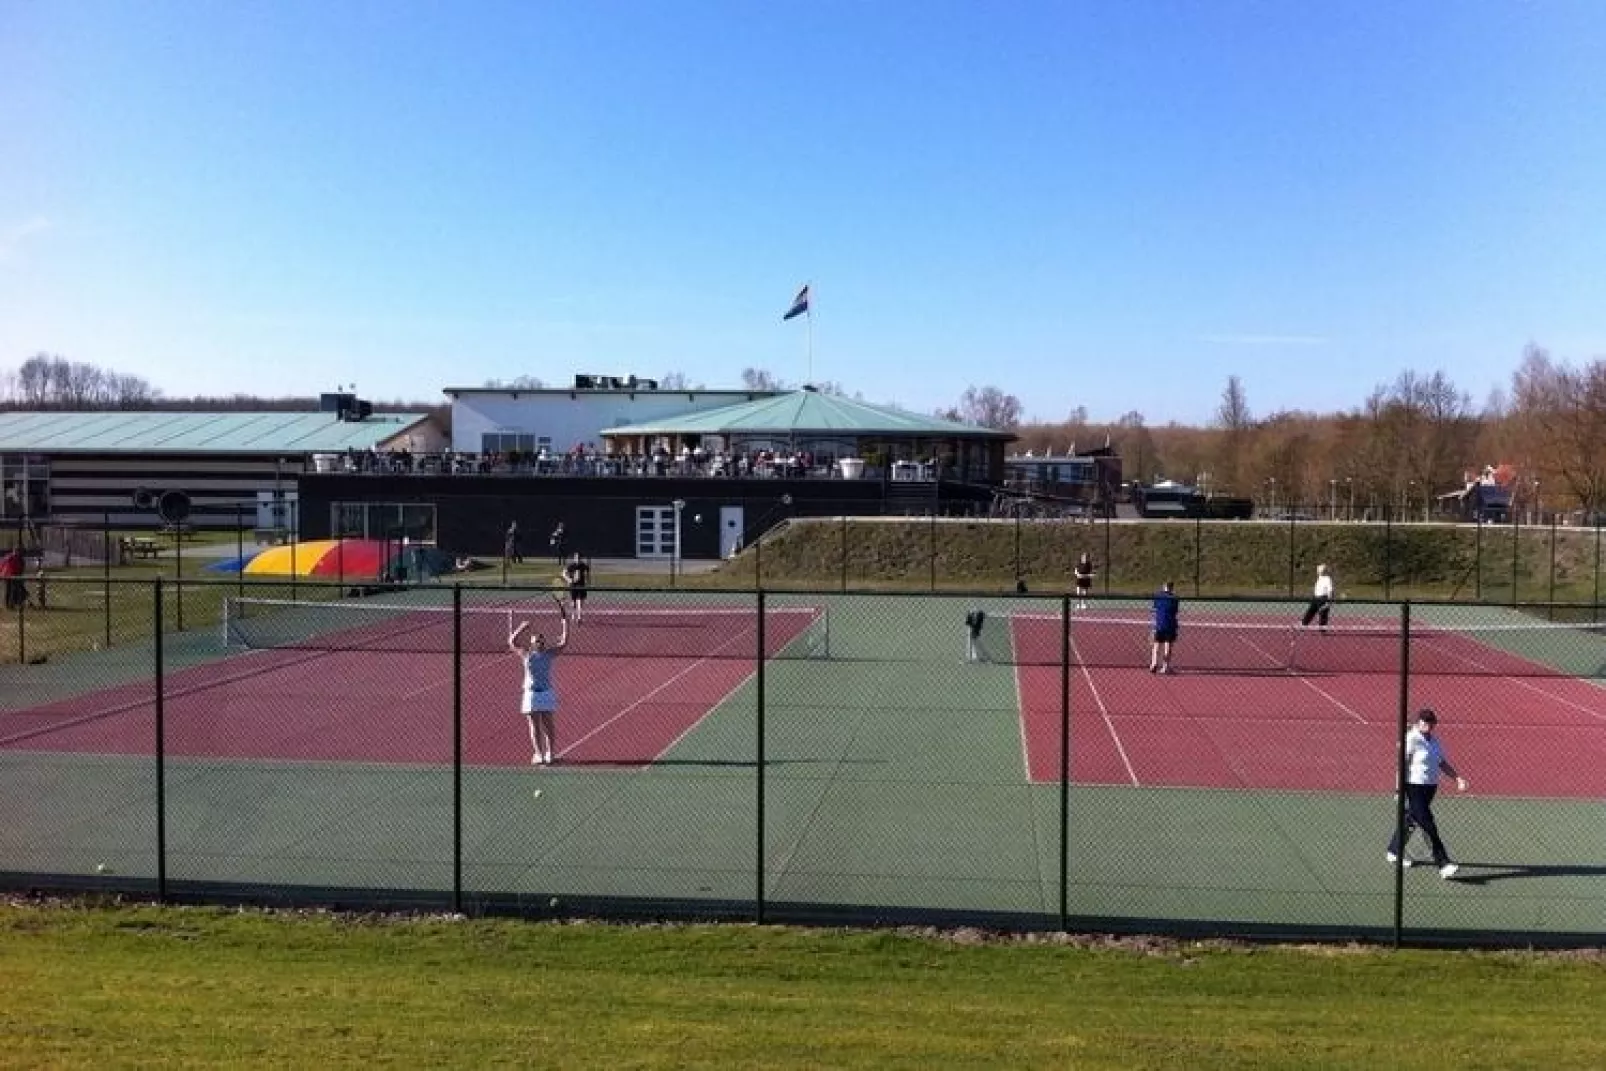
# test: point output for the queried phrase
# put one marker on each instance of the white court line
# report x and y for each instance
(1020, 707)
(740, 635)
(1104, 712)
(1519, 682)
(1306, 681)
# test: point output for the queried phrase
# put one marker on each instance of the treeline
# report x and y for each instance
(46, 381)
(1409, 441)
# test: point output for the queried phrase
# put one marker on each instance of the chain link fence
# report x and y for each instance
(1017, 760)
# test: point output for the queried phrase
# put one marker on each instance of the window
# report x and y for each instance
(385, 520)
(505, 442)
(24, 486)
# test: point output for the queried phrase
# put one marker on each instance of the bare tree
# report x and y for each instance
(1560, 417)
(49, 381)
(676, 381)
(762, 379)
(1237, 426)
(989, 407)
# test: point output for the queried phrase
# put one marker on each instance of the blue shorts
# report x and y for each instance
(1165, 635)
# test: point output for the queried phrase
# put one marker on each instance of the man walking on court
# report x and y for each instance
(1424, 761)
(1167, 608)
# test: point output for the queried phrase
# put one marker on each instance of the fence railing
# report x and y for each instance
(999, 760)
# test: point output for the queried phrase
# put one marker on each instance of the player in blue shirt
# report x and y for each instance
(540, 704)
(1166, 607)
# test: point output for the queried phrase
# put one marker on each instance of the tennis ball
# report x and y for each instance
(698, 519)
(536, 794)
(102, 868)
(552, 902)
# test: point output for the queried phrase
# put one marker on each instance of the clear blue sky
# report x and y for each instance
(1114, 205)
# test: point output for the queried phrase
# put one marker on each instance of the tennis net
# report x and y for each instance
(1541, 649)
(647, 631)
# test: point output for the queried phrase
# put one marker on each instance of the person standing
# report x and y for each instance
(540, 698)
(1424, 761)
(1084, 580)
(510, 544)
(556, 542)
(1167, 611)
(11, 566)
(577, 577)
(1321, 600)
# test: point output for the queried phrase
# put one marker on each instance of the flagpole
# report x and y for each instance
(811, 337)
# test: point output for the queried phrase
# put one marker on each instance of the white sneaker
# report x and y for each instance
(1392, 858)
(1448, 871)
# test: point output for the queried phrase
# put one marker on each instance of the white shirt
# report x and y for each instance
(1423, 754)
(1324, 587)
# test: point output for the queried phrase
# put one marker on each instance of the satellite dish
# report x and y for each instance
(144, 499)
(174, 506)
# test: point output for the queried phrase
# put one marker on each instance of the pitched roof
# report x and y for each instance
(155, 431)
(806, 411)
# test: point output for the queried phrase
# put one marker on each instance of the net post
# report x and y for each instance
(159, 673)
(457, 748)
(759, 763)
(1292, 541)
(1399, 771)
(1065, 762)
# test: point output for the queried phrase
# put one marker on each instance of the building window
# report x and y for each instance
(414, 521)
(24, 486)
(505, 442)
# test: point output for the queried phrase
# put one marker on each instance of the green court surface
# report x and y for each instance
(895, 785)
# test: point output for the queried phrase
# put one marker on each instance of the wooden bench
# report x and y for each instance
(141, 546)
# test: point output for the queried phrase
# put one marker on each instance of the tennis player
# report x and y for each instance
(1321, 600)
(1167, 608)
(577, 577)
(1084, 580)
(1424, 761)
(540, 705)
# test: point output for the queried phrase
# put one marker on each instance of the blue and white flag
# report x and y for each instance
(800, 304)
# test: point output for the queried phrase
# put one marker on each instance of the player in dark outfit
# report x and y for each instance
(1166, 609)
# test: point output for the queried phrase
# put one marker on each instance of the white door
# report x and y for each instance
(730, 531)
(655, 531)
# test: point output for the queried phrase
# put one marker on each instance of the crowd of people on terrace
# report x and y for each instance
(585, 459)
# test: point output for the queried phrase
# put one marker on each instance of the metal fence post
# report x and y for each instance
(933, 555)
(1551, 612)
(457, 748)
(239, 549)
(1198, 553)
(1516, 551)
(1399, 772)
(1017, 546)
(106, 574)
(1594, 611)
(759, 761)
(1388, 550)
(844, 548)
(1477, 559)
(22, 623)
(1109, 565)
(1291, 541)
(159, 672)
(1065, 762)
(178, 566)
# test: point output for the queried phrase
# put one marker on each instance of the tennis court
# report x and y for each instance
(850, 765)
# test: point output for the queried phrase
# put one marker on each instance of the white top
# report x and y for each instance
(1423, 754)
(1324, 587)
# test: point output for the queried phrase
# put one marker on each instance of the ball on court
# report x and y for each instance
(536, 794)
(102, 868)
(552, 902)
(698, 519)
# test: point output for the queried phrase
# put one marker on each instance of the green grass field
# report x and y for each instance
(124, 986)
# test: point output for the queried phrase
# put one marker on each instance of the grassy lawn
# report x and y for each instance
(142, 986)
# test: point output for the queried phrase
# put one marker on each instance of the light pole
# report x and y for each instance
(1332, 500)
(1272, 495)
(1539, 505)
(674, 562)
(1349, 512)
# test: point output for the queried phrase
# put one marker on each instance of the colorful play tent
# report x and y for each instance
(333, 559)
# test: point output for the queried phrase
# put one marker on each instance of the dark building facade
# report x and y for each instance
(612, 517)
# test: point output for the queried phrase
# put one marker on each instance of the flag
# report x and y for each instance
(800, 304)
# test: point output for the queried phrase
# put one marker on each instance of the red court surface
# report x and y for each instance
(396, 707)
(1533, 734)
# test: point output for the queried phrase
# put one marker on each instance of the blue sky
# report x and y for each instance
(1115, 206)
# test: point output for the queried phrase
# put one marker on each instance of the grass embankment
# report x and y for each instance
(127, 986)
(1219, 558)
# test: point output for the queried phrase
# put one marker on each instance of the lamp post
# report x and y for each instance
(1349, 512)
(1539, 505)
(1271, 504)
(674, 562)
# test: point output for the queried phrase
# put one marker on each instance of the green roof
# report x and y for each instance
(154, 432)
(806, 412)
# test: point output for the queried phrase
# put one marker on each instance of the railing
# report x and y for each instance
(818, 757)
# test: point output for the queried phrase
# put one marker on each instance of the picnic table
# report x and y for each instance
(141, 546)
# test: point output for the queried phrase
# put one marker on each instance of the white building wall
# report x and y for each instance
(570, 417)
